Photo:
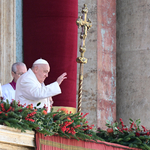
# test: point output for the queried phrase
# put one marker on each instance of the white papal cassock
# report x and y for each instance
(30, 91)
(8, 92)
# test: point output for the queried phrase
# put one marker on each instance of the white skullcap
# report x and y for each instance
(40, 61)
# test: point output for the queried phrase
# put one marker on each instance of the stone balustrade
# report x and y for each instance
(11, 138)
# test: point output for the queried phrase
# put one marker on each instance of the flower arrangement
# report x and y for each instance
(69, 125)
(131, 136)
(61, 122)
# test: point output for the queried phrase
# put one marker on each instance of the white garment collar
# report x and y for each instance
(33, 75)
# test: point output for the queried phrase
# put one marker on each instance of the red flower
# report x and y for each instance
(44, 112)
(147, 133)
(126, 129)
(31, 120)
(2, 106)
(28, 119)
(54, 115)
(131, 125)
(63, 129)
(31, 114)
(20, 110)
(68, 118)
(45, 107)
(144, 128)
(85, 115)
(63, 110)
(30, 106)
(10, 108)
(2, 98)
(77, 126)
(137, 134)
(24, 105)
(110, 130)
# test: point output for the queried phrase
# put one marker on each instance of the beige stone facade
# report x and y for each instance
(11, 138)
(7, 39)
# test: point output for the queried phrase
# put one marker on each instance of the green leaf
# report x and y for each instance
(131, 120)
(108, 122)
(38, 104)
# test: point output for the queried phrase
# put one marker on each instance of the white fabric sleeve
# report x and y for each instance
(5, 93)
(31, 91)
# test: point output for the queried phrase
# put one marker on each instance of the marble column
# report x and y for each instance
(106, 62)
(7, 39)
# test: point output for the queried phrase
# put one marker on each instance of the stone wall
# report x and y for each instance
(133, 60)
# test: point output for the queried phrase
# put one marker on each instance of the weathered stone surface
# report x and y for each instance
(14, 138)
(99, 85)
(7, 39)
(106, 62)
(133, 53)
(4, 146)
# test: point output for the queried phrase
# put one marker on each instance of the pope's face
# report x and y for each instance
(41, 72)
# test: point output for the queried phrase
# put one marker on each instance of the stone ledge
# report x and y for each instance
(15, 137)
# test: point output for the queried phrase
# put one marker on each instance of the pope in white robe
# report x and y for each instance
(30, 88)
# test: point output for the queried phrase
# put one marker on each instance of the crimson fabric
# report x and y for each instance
(13, 84)
(59, 143)
(50, 32)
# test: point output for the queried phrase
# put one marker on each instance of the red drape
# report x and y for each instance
(59, 143)
(50, 32)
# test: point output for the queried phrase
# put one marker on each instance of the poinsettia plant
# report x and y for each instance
(69, 125)
(61, 122)
(132, 136)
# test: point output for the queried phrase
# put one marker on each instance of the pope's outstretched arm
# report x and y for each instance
(29, 88)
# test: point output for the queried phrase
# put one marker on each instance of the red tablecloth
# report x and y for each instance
(59, 143)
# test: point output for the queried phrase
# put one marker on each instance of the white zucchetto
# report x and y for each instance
(40, 61)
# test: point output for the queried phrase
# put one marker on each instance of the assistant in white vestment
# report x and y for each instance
(8, 92)
(30, 91)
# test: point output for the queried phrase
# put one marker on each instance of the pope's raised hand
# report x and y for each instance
(61, 78)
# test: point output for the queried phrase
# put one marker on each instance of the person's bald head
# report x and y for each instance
(41, 69)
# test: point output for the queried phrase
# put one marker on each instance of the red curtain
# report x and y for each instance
(50, 32)
(59, 143)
